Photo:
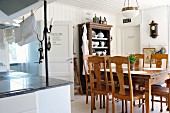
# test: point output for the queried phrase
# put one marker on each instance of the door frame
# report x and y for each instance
(120, 38)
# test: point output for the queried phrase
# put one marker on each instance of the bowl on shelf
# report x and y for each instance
(99, 53)
(95, 36)
(104, 52)
(93, 33)
(102, 43)
(96, 44)
(93, 53)
(100, 35)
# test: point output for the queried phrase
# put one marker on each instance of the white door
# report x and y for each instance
(60, 57)
(130, 40)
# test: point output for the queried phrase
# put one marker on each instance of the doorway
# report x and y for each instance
(130, 40)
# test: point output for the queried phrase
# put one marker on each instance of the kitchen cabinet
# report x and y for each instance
(25, 103)
(98, 44)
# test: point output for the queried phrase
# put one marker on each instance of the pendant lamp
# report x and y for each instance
(130, 11)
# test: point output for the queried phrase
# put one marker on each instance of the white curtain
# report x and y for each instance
(85, 46)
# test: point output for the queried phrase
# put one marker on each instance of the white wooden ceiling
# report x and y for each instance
(113, 6)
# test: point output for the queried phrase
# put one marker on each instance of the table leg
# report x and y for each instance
(169, 101)
(147, 94)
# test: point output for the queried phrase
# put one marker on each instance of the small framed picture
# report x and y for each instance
(147, 54)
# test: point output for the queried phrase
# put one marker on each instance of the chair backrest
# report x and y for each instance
(85, 65)
(101, 80)
(139, 57)
(158, 60)
(118, 61)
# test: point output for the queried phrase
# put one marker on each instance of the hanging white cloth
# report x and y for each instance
(27, 32)
(85, 46)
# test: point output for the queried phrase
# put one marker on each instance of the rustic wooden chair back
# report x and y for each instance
(119, 61)
(87, 78)
(122, 92)
(158, 59)
(77, 81)
(139, 57)
(158, 90)
(98, 81)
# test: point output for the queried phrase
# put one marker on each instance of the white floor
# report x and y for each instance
(79, 106)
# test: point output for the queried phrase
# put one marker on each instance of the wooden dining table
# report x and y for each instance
(146, 77)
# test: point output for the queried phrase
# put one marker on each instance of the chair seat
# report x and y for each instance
(159, 91)
(137, 94)
(163, 84)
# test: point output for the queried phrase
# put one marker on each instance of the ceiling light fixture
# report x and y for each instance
(130, 11)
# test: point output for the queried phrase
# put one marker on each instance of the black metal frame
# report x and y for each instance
(45, 39)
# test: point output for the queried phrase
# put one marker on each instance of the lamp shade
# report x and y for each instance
(130, 12)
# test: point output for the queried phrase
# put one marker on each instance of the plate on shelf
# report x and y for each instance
(99, 38)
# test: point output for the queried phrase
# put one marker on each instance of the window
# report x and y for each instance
(18, 54)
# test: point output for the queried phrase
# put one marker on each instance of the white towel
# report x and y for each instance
(27, 32)
(18, 33)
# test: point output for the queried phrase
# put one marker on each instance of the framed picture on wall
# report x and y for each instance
(147, 54)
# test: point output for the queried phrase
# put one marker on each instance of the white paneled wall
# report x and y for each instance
(61, 12)
(160, 16)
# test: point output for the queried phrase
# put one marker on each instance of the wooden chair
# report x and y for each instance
(158, 60)
(168, 86)
(127, 94)
(157, 90)
(138, 63)
(87, 78)
(77, 82)
(139, 57)
(99, 82)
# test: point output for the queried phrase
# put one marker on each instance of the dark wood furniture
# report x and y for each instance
(146, 80)
(105, 29)
(158, 60)
(139, 57)
(77, 82)
(156, 89)
(87, 77)
(99, 83)
(127, 94)
(168, 86)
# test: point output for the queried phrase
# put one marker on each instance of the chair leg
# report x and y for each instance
(87, 96)
(113, 105)
(92, 102)
(131, 106)
(143, 106)
(103, 101)
(100, 101)
(134, 103)
(126, 106)
(167, 101)
(107, 103)
(122, 106)
(161, 104)
(152, 109)
(139, 102)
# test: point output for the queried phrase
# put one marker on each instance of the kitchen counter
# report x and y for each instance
(16, 83)
(25, 93)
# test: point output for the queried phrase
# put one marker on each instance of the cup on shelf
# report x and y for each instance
(102, 43)
(99, 53)
(104, 52)
(96, 44)
(93, 53)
